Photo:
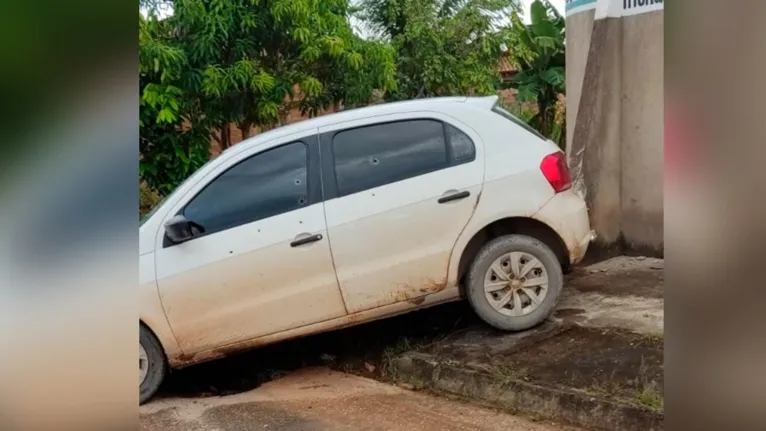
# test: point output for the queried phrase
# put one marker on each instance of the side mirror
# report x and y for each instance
(179, 229)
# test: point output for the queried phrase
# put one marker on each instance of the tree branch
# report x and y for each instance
(420, 93)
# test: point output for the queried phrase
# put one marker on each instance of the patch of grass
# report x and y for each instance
(403, 344)
(650, 396)
(414, 383)
(391, 352)
(659, 337)
(609, 387)
(508, 372)
(648, 393)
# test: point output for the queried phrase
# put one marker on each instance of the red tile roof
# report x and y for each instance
(504, 65)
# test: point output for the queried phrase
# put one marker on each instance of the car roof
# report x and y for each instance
(358, 113)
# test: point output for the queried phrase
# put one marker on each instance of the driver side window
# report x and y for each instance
(265, 185)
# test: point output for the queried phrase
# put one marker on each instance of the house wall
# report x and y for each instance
(615, 118)
(236, 134)
(508, 96)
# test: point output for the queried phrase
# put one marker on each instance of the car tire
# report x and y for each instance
(156, 367)
(524, 248)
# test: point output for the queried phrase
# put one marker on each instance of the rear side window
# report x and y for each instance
(460, 145)
(265, 185)
(499, 110)
(380, 154)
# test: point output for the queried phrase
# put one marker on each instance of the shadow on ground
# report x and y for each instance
(359, 350)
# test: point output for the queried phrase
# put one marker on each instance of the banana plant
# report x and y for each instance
(538, 49)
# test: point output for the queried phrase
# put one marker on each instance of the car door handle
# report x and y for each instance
(454, 196)
(305, 238)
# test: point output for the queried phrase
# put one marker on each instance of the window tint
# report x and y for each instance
(461, 145)
(262, 186)
(371, 156)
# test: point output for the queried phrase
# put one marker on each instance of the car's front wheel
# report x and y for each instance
(151, 364)
(514, 282)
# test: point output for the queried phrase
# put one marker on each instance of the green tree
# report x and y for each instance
(174, 138)
(213, 63)
(538, 51)
(443, 47)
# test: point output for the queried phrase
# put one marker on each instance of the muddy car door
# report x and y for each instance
(260, 262)
(399, 189)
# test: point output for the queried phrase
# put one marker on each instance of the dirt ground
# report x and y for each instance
(320, 399)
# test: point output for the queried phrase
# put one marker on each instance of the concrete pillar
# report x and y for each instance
(596, 147)
(615, 118)
(579, 27)
(642, 130)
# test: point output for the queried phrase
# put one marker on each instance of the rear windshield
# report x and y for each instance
(497, 109)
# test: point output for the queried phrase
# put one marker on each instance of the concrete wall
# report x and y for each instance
(615, 122)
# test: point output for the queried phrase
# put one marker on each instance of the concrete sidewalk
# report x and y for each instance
(623, 292)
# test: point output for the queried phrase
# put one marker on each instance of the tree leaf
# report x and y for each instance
(355, 60)
(554, 76)
(538, 12)
(311, 86)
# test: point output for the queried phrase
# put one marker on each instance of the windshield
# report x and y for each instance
(497, 109)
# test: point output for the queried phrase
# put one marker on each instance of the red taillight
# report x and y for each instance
(556, 171)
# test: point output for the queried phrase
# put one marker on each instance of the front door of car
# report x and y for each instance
(399, 190)
(263, 264)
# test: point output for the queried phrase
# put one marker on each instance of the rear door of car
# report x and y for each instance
(398, 189)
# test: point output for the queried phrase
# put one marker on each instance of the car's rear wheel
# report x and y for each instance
(151, 364)
(514, 282)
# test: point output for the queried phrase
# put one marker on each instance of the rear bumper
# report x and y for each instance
(567, 214)
(578, 252)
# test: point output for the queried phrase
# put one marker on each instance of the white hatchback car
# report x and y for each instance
(353, 217)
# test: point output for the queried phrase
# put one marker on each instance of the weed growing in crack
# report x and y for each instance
(610, 386)
(413, 383)
(650, 396)
(648, 393)
(509, 373)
